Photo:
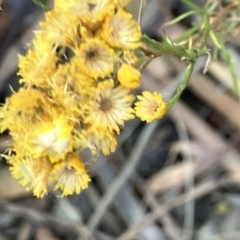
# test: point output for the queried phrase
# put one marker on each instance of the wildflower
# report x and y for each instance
(77, 76)
(39, 63)
(80, 142)
(84, 86)
(99, 140)
(110, 106)
(68, 102)
(32, 173)
(128, 76)
(70, 175)
(51, 138)
(60, 28)
(69, 78)
(90, 12)
(94, 12)
(95, 58)
(150, 106)
(121, 31)
(130, 57)
(63, 77)
(18, 113)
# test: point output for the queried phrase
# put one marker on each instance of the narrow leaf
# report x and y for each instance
(181, 17)
(212, 8)
(182, 86)
(188, 33)
(231, 67)
(194, 6)
(216, 40)
(42, 5)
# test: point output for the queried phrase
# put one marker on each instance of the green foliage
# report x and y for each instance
(167, 46)
(42, 5)
(221, 46)
(182, 86)
(211, 26)
(180, 18)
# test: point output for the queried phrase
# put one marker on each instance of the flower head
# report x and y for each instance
(68, 102)
(70, 175)
(128, 76)
(90, 12)
(32, 173)
(60, 28)
(51, 138)
(110, 106)
(18, 113)
(95, 58)
(69, 78)
(121, 31)
(150, 106)
(99, 140)
(130, 57)
(77, 79)
(40, 62)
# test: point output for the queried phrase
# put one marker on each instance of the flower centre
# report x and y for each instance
(105, 104)
(91, 54)
(91, 6)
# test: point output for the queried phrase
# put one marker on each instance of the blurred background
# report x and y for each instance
(175, 179)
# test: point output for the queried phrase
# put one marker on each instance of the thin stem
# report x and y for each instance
(142, 2)
(41, 4)
(182, 86)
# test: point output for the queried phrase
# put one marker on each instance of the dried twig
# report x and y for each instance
(44, 219)
(199, 191)
(123, 177)
(140, 13)
(126, 203)
(189, 182)
(169, 226)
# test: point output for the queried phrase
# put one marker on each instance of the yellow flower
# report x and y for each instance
(70, 175)
(90, 12)
(110, 106)
(22, 108)
(63, 77)
(68, 102)
(84, 86)
(39, 63)
(51, 138)
(77, 79)
(130, 57)
(69, 77)
(150, 106)
(121, 31)
(99, 139)
(60, 28)
(95, 58)
(80, 142)
(128, 76)
(32, 173)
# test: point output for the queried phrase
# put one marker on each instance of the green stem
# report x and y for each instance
(42, 5)
(182, 86)
(231, 67)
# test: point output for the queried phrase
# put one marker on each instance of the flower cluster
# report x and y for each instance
(77, 80)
